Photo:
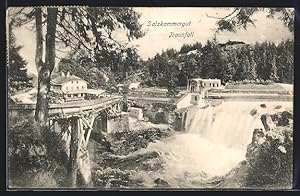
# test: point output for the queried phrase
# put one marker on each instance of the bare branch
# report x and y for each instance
(221, 18)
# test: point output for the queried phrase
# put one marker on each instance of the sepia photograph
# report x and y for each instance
(149, 98)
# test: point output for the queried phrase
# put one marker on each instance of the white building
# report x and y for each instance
(198, 84)
(72, 87)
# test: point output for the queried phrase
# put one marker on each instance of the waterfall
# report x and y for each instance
(229, 124)
(215, 142)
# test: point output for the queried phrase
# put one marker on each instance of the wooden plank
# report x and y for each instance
(90, 126)
(72, 170)
(90, 130)
(81, 134)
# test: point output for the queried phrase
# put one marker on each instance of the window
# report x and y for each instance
(82, 87)
(72, 82)
(196, 97)
(77, 87)
(77, 81)
(67, 88)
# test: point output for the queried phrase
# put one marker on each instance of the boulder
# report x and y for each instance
(268, 123)
(282, 118)
(253, 148)
(263, 105)
(253, 112)
(269, 155)
(277, 107)
(159, 117)
(287, 114)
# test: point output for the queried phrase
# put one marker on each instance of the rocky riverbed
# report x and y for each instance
(134, 161)
(116, 168)
(269, 157)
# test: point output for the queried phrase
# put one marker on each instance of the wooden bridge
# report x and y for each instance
(74, 122)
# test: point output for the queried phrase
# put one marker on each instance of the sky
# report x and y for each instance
(157, 38)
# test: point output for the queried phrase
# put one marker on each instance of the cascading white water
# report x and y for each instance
(229, 124)
(216, 141)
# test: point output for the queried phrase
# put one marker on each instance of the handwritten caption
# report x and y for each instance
(173, 34)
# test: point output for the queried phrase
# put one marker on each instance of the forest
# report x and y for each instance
(232, 61)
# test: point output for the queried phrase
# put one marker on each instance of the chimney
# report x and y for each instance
(68, 74)
(62, 74)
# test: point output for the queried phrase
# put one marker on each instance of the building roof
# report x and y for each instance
(232, 43)
(202, 79)
(63, 79)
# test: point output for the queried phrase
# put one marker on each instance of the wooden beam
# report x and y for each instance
(90, 126)
(81, 133)
(72, 170)
(90, 130)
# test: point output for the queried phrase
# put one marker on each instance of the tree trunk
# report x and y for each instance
(45, 70)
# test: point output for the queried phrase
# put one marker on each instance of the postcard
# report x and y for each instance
(146, 98)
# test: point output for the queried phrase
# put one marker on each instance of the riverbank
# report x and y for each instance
(269, 157)
(203, 157)
(116, 168)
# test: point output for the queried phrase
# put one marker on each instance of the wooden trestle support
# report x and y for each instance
(76, 131)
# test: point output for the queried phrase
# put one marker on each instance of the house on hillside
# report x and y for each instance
(72, 87)
(231, 45)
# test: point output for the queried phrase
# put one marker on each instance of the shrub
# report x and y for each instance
(270, 156)
(43, 179)
(33, 152)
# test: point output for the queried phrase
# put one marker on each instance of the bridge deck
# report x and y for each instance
(75, 107)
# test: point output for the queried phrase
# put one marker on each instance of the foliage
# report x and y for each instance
(261, 63)
(17, 71)
(87, 29)
(113, 178)
(126, 142)
(270, 153)
(33, 154)
(241, 18)
(83, 68)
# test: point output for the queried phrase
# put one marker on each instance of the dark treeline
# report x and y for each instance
(109, 68)
(233, 61)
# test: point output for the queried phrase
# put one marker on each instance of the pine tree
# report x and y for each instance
(251, 72)
(274, 75)
(17, 72)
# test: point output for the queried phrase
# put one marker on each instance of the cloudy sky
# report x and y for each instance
(157, 38)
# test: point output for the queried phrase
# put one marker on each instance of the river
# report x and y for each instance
(215, 142)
